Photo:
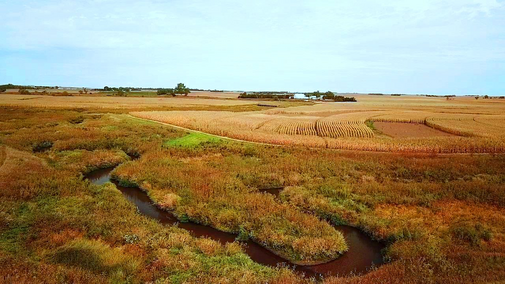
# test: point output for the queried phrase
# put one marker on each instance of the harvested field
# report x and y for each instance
(409, 130)
(113, 102)
(418, 124)
(214, 95)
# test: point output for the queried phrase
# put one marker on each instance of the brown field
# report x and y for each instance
(416, 124)
(111, 102)
(409, 130)
(216, 95)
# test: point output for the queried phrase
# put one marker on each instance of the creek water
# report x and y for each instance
(363, 254)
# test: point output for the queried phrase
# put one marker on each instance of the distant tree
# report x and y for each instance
(477, 97)
(308, 95)
(182, 89)
(81, 91)
(106, 88)
(164, 92)
(329, 95)
(4, 88)
(486, 97)
(120, 93)
(24, 92)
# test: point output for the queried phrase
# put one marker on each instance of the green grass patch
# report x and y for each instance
(370, 125)
(193, 140)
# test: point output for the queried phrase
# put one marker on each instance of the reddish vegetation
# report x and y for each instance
(409, 130)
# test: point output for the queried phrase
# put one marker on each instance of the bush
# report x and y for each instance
(184, 218)
(472, 233)
(120, 93)
(164, 92)
(42, 146)
(243, 235)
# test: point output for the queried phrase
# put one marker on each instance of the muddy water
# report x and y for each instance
(362, 255)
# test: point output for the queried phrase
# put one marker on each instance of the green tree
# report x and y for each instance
(182, 89)
(329, 95)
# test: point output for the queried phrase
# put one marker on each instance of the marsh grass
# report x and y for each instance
(441, 216)
(57, 227)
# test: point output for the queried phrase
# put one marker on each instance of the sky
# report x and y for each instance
(418, 47)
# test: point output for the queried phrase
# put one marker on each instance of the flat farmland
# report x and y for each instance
(406, 124)
(216, 95)
(112, 102)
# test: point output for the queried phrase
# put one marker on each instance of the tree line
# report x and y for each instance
(330, 96)
(180, 89)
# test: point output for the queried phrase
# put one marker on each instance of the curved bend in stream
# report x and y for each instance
(363, 254)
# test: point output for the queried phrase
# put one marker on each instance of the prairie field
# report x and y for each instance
(282, 184)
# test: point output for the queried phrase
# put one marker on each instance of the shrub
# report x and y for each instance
(243, 235)
(163, 92)
(42, 146)
(472, 233)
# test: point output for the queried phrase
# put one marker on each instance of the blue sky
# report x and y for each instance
(428, 46)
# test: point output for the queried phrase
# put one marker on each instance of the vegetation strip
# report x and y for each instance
(364, 254)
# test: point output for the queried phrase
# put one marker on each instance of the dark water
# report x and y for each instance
(363, 253)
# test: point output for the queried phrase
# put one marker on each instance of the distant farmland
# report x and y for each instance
(402, 124)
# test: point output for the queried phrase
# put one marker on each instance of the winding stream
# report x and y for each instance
(363, 254)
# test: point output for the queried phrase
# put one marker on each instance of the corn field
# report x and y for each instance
(345, 129)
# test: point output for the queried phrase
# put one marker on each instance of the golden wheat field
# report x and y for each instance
(405, 124)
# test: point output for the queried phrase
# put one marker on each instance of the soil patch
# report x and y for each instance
(409, 130)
